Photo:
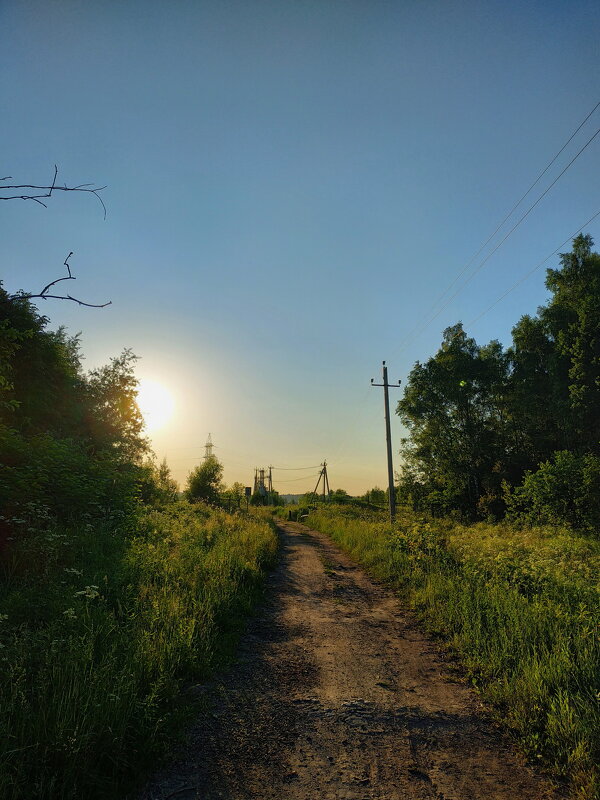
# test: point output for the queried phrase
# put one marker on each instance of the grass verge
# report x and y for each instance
(101, 625)
(521, 609)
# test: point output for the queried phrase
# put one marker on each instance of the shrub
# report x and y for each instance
(563, 490)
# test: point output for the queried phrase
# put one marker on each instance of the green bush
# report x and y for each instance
(204, 483)
(565, 490)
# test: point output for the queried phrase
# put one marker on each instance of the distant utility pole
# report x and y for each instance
(388, 439)
(325, 479)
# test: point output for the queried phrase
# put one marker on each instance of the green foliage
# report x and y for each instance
(69, 443)
(237, 492)
(452, 407)
(111, 595)
(479, 416)
(375, 496)
(563, 490)
(156, 484)
(572, 319)
(340, 496)
(519, 606)
(204, 482)
(59, 476)
(265, 499)
(115, 422)
(40, 385)
(101, 623)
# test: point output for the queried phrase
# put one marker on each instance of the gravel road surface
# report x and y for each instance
(338, 695)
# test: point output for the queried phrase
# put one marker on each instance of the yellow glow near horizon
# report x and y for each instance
(156, 404)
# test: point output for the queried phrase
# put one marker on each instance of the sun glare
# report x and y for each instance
(156, 404)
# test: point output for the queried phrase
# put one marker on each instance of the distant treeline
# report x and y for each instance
(515, 431)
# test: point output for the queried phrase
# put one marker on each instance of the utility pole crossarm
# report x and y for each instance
(388, 439)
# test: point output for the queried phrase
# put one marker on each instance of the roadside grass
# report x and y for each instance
(521, 609)
(101, 627)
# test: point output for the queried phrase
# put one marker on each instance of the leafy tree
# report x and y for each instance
(69, 443)
(572, 319)
(116, 422)
(266, 499)
(376, 496)
(41, 382)
(165, 481)
(156, 484)
(204, 481)
(237, 491)
(478, 416)
(339, 496)
(234, 494)
(555, 357)
(537, 394)
(452, 407)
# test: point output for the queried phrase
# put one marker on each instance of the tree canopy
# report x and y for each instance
(205, 481)
(480, 417)
(69, 441)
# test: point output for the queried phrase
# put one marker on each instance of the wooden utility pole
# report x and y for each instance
(388, 439)
(325, 478)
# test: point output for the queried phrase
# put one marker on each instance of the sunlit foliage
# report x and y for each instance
(205, 482)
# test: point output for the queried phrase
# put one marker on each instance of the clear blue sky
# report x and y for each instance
(290, 187)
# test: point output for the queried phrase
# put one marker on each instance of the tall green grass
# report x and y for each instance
(521, 609)
(102, 625)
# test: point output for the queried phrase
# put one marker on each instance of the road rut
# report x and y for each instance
(338, 695)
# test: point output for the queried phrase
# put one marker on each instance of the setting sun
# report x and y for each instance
(156, 404)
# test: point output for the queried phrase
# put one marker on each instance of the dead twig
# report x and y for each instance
(45, 296)
(48, 190)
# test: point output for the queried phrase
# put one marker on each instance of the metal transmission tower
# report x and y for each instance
(208, 447)
(323, 477)
(388, 439)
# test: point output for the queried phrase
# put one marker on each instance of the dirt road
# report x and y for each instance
(339, 696)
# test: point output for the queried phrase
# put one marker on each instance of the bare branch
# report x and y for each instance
(89, 188)
(43, 295)
(58, 280)
(67, 297)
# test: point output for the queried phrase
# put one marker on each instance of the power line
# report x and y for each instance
(513, 209)
(421, 327)
(531, 271)
(518, 203)
(296, 469)
(303, 478)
